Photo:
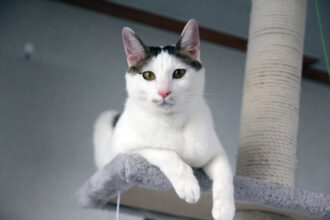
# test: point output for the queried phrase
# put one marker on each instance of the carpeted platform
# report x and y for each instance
(127, 170)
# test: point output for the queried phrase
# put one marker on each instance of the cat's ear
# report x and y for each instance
(189, 39)
(134, 47)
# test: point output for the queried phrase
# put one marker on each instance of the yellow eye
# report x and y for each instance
(148, 75)
(178, 73)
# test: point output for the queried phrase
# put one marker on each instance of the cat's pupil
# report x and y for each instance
(178, 73)
(148, 75)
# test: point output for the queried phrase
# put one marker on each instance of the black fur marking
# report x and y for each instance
(155, 51)
(172, 50)
(115, 120)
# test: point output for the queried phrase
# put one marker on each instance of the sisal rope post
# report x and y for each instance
(270, 108)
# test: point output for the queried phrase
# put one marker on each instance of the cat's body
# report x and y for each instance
(167, 121)
(185, 134)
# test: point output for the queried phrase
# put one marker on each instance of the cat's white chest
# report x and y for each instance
(191, 145)
(191, 136)
(160, 133)
(163, 137)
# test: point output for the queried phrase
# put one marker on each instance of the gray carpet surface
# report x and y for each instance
(127, 170)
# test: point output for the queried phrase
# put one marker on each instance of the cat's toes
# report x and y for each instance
(223, 209)
(188, 190)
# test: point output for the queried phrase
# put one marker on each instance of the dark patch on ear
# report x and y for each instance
(188, 60)
(115, 120)
(147, 55)
(138, 67)
(185, 56)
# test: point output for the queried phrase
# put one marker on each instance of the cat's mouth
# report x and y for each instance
(166, 106)
(163, 103)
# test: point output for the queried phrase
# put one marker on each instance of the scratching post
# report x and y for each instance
(270, 108)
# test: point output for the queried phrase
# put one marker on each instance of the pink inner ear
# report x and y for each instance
(134, 59)
(190, 39)
(194, 53)
(134, 47)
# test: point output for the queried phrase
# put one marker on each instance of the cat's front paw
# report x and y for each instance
(223, 209)
(188, 188)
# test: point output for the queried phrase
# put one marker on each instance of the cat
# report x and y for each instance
(167, 121)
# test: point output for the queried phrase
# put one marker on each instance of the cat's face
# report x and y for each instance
(167, 78)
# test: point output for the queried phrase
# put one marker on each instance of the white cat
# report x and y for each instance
(167, 121)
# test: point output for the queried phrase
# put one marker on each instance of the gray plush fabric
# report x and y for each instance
(127, 170)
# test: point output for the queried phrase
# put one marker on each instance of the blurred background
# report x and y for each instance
(61, 65)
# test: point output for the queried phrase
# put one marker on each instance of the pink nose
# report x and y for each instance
(164, 93)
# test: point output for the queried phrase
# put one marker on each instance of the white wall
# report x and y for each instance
(48, 105)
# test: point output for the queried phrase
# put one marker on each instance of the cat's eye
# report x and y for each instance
(148, 75)
(178, 73)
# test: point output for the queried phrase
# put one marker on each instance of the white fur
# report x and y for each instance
(102, 136)
(174, 136)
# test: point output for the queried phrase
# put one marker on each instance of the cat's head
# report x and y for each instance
(169, 78)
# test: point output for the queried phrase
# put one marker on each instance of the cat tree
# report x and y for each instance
(264, 185)
(270, 108)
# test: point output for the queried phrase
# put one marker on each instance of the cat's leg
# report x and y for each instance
(218, 169)
(177, 171)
